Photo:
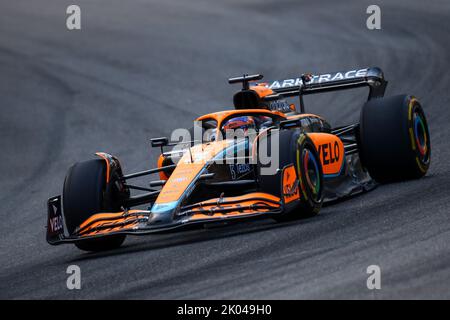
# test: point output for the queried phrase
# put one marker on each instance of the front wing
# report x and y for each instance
(139, 222)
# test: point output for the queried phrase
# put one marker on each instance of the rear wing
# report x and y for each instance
(372, 78)
(310, 84)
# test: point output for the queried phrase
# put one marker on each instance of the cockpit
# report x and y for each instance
(237, 124)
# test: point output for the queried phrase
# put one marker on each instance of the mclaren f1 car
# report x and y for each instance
(284, 164)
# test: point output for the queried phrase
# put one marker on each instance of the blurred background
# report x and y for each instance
(138, 69)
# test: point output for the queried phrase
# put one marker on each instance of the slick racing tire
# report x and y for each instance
(309, 170)
(296, 148)
(84, 195)
(394, 139)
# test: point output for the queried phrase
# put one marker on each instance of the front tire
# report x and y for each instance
(394, 139)
(309, 170)
(297, 149)
(83, 196)
(310, 175)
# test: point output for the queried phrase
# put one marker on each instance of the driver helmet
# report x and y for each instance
(243, 122)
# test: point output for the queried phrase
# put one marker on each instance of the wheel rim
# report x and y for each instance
(421, 136)
(312, 173)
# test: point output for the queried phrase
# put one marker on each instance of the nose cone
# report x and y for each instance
(182, 180)
(162, 213)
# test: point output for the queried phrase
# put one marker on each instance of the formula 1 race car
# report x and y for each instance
(283, 164)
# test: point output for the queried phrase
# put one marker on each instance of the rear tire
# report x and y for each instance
(83, 196)
(394, 139)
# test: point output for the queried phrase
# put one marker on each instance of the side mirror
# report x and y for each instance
(159, 142)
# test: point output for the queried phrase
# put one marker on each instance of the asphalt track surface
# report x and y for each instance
(138, 69)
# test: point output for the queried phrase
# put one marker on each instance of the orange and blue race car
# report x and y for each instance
(266, 158)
